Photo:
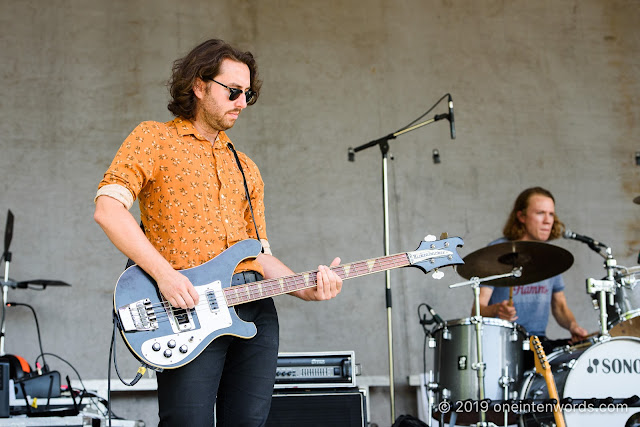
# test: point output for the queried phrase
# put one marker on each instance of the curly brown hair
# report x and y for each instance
(514, 229)
(204, 62)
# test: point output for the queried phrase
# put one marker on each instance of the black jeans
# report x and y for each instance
(239, 372)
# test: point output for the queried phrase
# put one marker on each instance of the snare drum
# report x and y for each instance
(456, 358)
(605, 369)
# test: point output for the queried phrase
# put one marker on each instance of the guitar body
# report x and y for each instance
(164, 337)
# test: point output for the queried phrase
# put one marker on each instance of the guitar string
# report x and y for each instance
(293, 283)
(274, 288)
(383, 264)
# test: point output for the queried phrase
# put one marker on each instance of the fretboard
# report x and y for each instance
(254, 291)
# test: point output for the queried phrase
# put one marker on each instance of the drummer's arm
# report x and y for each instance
(500, 310)
(565, 318)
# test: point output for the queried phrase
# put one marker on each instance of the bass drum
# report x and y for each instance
(456, 355)
(607, 369)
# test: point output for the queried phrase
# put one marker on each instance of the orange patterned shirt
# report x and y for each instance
(193, 203)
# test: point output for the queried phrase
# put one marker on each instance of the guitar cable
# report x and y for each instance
(35, 317)
(45, 367)
(112, 356)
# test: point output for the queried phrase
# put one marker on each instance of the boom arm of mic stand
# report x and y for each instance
(382, 142)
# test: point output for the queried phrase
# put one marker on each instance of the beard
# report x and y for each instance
(219, 121)
(215, 116)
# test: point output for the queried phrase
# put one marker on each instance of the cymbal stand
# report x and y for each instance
(479, 366)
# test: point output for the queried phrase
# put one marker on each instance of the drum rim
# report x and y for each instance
(631, 314)
(586, 346)
(492, 321)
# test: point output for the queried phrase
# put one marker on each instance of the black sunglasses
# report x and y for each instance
(235, 93)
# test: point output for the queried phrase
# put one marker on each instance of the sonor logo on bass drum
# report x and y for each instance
(614, 366)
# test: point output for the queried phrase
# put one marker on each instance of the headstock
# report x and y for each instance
(433, 254)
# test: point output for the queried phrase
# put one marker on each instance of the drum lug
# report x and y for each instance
(475, 366)
(525, 345)
(567, 366)
(505, 381)
(514, 337)
(446, 334)
(446, 394)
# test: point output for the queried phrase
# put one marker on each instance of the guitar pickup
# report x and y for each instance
(182, 319)
(138, 316)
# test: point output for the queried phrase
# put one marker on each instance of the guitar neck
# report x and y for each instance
(544, 369)
(254, 291)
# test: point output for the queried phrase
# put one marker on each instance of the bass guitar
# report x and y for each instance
(164, 337)
(543, 368)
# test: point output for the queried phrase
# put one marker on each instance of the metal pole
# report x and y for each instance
(5, 293)
(385, 209)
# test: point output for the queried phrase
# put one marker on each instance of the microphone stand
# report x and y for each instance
(8, 234)
(383, 143)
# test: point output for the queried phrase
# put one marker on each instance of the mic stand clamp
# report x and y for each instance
(604, 287)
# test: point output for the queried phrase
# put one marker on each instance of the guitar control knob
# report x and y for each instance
(167, 353)
(171, 344)
(155, 346)
(183, 348)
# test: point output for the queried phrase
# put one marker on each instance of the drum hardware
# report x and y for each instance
(477, 321)
(602, 288)
(506, 381)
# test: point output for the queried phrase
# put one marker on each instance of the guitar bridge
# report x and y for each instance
(138, 316)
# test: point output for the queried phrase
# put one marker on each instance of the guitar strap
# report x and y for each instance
(246, 188)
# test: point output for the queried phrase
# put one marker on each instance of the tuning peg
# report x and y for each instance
(437, 274)
(429, 238)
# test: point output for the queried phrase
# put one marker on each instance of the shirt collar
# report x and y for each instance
(185, 127)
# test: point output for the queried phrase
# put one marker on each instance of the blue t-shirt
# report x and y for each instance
(532, 302)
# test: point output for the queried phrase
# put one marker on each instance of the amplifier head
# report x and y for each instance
(316, 370)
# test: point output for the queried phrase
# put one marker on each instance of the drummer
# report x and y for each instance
(533, 218)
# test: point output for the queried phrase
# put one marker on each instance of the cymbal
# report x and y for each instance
(539, 261)
(40, 284)
(637, 200)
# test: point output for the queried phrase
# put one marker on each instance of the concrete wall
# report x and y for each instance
(545, 94)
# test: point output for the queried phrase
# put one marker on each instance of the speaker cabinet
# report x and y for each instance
(318, 408)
